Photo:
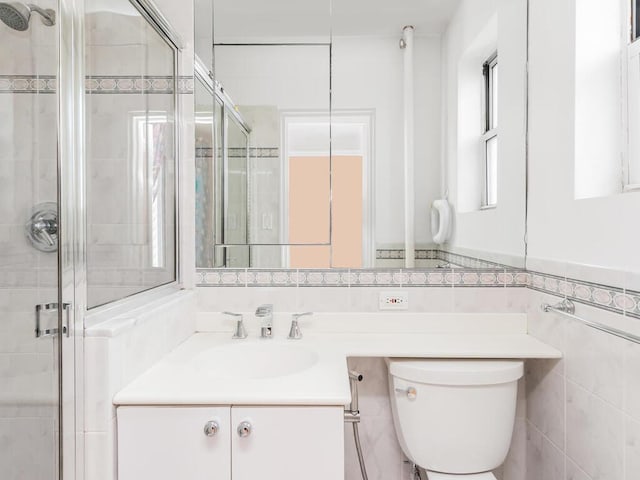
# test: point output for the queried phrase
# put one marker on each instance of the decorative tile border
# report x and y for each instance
(613, 299)
(469, 262)
(254, 152)
(28, 84)
(360, 278)
(398, 254)
(97, 84)
(436, 254)
(186, 85)
(204, 152)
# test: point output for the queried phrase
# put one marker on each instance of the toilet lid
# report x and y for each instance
(456, 371)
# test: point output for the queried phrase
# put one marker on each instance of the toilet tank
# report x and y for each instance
(454, 416)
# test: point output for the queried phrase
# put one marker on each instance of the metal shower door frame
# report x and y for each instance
(71, 246)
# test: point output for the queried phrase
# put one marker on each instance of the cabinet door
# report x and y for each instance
(169, 443)
(288, 443)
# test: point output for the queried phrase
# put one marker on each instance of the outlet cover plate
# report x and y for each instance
(394, 300)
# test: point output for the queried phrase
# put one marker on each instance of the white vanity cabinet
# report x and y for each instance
(169, 443)
(279, 443)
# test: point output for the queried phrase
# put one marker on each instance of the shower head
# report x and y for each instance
(16, 15)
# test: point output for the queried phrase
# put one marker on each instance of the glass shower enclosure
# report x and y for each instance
(39, 338)
(222, 177)
(30, 307)
(89, 95)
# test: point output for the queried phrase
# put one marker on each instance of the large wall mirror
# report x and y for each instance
(315, 109)
(131, 102)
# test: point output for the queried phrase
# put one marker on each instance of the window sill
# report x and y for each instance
(635, 187)
(127, 305)
(488, 207)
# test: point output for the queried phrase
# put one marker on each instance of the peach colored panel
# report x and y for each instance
(309, 196)
(346, 241)
(310, 256)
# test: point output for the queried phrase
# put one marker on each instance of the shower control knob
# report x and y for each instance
(211, 428)
(410, 392)
(244, 429)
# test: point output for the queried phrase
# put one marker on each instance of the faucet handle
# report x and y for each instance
(295, 333)
(240, 332)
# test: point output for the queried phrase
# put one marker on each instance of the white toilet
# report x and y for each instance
(454, 418)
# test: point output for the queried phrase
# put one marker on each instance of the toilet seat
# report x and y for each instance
(467, 476)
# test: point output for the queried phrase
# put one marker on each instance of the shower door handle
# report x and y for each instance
(51, 332)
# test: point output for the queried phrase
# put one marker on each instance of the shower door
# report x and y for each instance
(33, 323)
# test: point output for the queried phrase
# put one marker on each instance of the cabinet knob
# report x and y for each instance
(244, 429)
(211, 428)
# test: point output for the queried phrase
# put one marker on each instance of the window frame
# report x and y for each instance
(94, 312)
(489, 127)
(630, 51)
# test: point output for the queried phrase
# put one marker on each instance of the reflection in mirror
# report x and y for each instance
(413, 123)
(205, 201)
(131, 153)
(273, 175)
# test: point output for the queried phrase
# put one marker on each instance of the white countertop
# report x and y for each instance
(187, 377)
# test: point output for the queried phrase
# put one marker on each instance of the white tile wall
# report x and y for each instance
(363, 299)
(582, 411)
(382, 454)
(117, 351)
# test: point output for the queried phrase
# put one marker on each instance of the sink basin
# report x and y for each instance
(255, 361)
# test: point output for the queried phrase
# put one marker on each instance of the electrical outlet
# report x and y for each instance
(394, 301)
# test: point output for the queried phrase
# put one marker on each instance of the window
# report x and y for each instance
(490, 135)
(631, 173)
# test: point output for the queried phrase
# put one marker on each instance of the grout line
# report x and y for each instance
(593, 394)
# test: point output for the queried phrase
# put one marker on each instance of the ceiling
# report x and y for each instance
(255, 19)
(387, 17)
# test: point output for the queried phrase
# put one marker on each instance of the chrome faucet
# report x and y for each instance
(240, 332)
(295, 333)
(266, 313)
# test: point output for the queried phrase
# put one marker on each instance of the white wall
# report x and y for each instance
(367, 74)
(290, 77)
(582, 415)
(598, 97)
(601, 232)
(497, 232)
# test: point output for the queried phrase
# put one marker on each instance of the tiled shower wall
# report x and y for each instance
(28, 161)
